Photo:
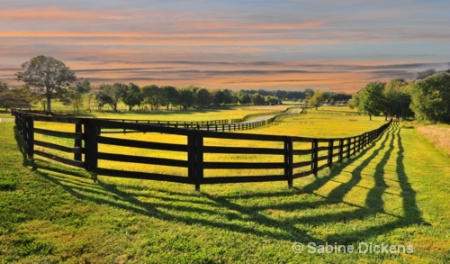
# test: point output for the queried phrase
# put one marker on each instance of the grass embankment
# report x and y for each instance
(438, 135)
(395, 192)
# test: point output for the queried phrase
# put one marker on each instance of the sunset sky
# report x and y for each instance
(291, 45)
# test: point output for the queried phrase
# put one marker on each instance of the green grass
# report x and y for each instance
(395, 192)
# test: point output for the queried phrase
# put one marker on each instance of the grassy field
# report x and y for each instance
(394, 193)
(225, 112)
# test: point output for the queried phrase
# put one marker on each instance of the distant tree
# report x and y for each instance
(271, 100)
(339, 97)
(188, 97)
(172, 96)
(431, 98)
(258, 99)
(204, 98)
(47, 75)
(282, 95)
(424, 74)
(296, 95)
(309, 93)
(354, 102)
(397, 99)
(74, 94)
(132, 96)
(371, 99)
(244, 98)
(3, 87)
(317, 99)
(90, 96)
(110, 94)
(223, 97)
(17, 98)
(153, 95)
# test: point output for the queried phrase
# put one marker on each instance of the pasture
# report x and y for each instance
(394, 192)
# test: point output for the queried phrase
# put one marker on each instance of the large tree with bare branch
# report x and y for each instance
(48, 76)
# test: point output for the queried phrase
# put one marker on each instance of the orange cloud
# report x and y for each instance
(56, 14)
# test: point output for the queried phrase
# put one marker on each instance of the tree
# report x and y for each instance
(282, 95)
(19, 97)
(132, 96)
(187, 97)
(431, 98)
(74, 94)
(173, 96)
(271, 100)
(371, 99)
(309, 93)
(257, 99)
(424, 74)
(3, 87)
(110, 95)
(47, 75)
(244, 98)
(223, 97)
(153, 95)
(317, 99)
(204, 98)
(354, 102)
(397, 99)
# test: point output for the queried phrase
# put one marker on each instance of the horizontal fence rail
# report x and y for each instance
(222, 125)
(196, 160)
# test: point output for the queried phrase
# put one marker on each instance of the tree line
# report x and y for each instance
(46, 78)
(427, 98)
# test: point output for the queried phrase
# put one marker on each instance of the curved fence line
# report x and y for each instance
(221, 125)
(294, 157)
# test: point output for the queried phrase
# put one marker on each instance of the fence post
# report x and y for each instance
(77, 154)
(349, 145)
(330, 152)
(288, 161)
(195, 158)
(359, 142)
(91, 146)
(341, 150)
(29, 132)
(315, 156)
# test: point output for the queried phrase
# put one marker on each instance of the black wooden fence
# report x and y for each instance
(297, 156)
(213, 125)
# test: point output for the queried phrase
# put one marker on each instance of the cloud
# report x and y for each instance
(269, 44)
(55, 14)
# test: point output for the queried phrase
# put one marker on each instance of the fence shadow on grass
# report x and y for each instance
(22, 145)
(230, 211)
(375, 204)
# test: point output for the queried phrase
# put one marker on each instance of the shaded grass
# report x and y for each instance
(387, 194)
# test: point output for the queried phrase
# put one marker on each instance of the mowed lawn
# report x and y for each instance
(394, 193)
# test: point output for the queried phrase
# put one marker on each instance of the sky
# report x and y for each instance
(289, 45)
